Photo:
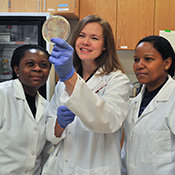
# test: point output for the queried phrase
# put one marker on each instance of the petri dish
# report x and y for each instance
(56, 27)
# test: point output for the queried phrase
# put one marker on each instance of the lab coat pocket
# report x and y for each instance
(156, 147)
(95, 171)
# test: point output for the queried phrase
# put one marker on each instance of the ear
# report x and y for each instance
(16, 69)
(168, 63)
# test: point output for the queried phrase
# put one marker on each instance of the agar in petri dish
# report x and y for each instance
(56, 27)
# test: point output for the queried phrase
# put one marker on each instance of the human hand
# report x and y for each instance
(62, 58)
(64, 116)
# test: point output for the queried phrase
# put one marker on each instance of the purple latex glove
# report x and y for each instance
(62, 58)
(64, 116)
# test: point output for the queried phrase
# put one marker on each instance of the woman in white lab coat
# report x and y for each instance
(88, 136)
(150, 125)
(22, 124)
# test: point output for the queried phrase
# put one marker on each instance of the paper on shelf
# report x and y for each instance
(169, 35)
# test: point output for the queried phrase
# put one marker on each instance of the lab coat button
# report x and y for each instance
(69, 133)
(35, 128)
(66, 161)
(132, 164)
(132, 134)
(33, 153)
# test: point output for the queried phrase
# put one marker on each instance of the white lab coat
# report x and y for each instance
(150, 139)
(91, 143)
(22, 138)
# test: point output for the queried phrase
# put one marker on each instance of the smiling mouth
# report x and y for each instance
(86, 50)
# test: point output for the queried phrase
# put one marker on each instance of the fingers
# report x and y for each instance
(57, 58)
(56, 54)
(53, 60)
(60, 42)
(64, 116)
(64, 111)
(63, 108)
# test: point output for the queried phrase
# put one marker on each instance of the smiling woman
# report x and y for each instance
(22, 123)
(33, 70)
(88, 108)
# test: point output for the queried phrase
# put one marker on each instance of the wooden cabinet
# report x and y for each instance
(164, 15)
(106, 9)
(130, 20)
(135, 20)
(25, 5)
(4, 6)
(67, 8)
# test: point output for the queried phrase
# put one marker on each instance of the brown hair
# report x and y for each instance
(108, 59)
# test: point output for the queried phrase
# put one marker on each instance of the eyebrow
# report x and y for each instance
(146, 55)
(91, 34)
(151, 55)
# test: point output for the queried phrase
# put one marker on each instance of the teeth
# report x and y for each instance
(84, 49)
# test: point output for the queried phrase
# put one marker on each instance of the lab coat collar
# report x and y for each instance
(162, 96)
(166, 90)
(96, 82)
(19, 94)
(18, 90)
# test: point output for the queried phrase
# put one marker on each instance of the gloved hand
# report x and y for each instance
(62, 58)
(64, 116)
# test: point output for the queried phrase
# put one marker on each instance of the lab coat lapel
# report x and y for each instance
(150, 108)
(40, 107)
(19, 94)
(137, 103)
(96, 82)
(162, 96)
(18, 90)
(136, 108)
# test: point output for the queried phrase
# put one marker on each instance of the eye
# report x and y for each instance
(81, 35)
(148, 59)
(44, 65)
(95, 38)
(30, 63)
(136, 60)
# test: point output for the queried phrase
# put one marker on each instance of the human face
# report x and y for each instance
(33, 70)
(149, 67)
(90, 42)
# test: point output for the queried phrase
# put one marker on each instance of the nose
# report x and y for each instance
(37, 68)
(86, 41)
(140, 64)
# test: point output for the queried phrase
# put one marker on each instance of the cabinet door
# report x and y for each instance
(25, 6)
(106, 9)
(135, 20)
(67, 8)
(4, 6)
(164, 15)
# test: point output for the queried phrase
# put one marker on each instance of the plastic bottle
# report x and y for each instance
(5, 67)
